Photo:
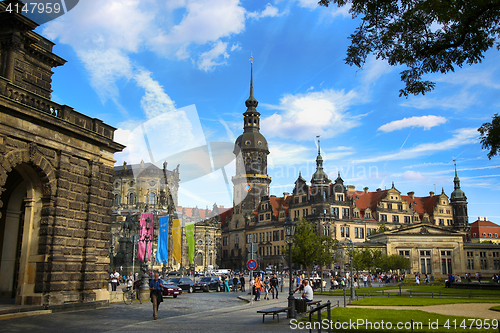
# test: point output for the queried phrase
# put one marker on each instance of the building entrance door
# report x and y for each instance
(19, 229)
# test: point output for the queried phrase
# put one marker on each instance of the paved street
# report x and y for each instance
(119, 315)
(199, 312)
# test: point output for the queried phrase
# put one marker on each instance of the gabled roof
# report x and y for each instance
(225, 217)
(422, 205)
(481, 223)
(364, 200)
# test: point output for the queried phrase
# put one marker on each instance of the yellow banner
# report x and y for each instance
(176, 240)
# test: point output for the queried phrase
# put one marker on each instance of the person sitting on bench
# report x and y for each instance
(308, 292)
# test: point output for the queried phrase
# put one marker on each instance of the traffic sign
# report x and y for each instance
(251, 264)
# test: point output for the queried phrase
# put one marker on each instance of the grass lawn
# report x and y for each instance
(496, 308)
(415, 289)
(418, 301)
(388, 317)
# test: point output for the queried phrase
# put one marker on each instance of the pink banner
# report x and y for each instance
(146, 218)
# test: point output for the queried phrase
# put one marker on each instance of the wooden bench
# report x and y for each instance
(313, 303)
(274, 311)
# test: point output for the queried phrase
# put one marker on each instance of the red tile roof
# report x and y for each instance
(225, 217)
(481, 223)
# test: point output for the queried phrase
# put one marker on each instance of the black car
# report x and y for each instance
(206, 284)
(183, 283)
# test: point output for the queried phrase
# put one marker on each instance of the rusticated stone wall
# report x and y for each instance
(56, 173)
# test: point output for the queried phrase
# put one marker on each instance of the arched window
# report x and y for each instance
(131, 199)
(117, 199)
(151, 198)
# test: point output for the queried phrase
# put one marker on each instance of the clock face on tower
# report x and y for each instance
(247, 187)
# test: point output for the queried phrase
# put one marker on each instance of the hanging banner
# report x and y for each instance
(146, 218)
(162, 247)
(189, 230)
(176, 239)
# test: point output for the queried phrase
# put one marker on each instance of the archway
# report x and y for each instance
(19, 234)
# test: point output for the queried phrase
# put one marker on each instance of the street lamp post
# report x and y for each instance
(146, 240)
(351, 249)
(290, 232)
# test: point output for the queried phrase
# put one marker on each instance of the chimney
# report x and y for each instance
(221, 206)
(411, 195)
(365, 189)
(351, 188)
(431, 193)
(379, 189)
(285, 195)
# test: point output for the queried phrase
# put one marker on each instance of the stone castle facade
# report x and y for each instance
(409, 225)
(56, 171)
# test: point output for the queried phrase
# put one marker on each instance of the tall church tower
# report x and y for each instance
(320, 186)
(458, 201)
(251, 181)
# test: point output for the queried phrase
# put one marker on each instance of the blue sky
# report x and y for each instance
(181, 69)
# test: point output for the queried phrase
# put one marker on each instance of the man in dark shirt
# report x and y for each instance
(156, 288)
(242, 280)
(274, 285)
(235, 283)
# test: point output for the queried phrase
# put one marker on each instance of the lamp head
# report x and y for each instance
(289, 228)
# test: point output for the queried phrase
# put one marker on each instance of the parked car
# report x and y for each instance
(183, 283)
(206, 284)
(173, 273)
(168, 289)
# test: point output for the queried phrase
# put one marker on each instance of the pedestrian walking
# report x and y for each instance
(114, 278)
(235, 283)
(242, 280)
(156, 291)
(258, 287)
(266, 288)
(274, 285)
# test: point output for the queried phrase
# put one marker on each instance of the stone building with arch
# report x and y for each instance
(56, 169)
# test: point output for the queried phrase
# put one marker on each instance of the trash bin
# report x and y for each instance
(300, 305)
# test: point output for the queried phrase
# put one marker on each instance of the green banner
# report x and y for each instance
(189, 230)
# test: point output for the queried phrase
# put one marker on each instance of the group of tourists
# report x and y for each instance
(264, 287)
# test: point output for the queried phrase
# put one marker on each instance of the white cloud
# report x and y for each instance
(235, 47)
(462, 136)
(105, 67)
(460, 101)
(204, 22)
(283, 153)
(333, 9)
(427, 122)
(155, 101)
(208, 60)
(269, 11)
(303, 116)
(310, 4)
(103, 39)
(374, 68)
(413, 176)
(470, 77)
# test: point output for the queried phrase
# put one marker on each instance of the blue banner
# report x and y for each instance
(162, 248)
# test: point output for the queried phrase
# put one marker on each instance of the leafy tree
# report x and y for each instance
(309, 248)
(427, 36)
(490, 136)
